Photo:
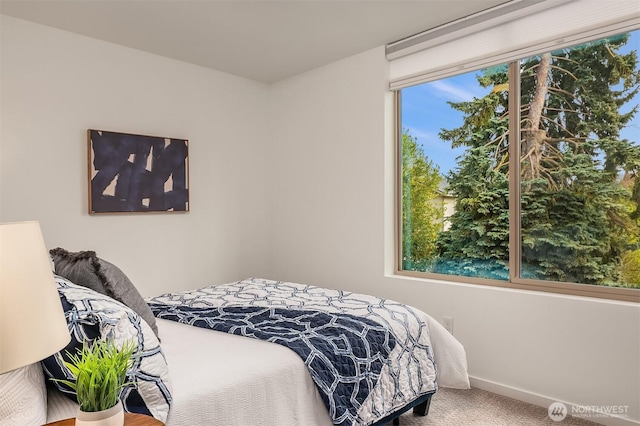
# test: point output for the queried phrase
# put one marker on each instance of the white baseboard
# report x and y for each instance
(545, 401)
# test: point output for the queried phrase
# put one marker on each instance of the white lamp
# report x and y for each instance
(32, 324)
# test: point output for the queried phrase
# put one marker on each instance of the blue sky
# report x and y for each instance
(425, 112)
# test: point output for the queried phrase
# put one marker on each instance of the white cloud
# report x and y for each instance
(451, 92)
(422, 135)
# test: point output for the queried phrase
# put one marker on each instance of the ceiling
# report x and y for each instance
(263, 40)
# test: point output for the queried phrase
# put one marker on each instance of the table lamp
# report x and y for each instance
(32, 322)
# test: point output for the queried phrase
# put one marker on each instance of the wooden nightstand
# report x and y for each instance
(130, 419)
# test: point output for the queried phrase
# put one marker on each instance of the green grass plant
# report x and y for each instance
(100, 369)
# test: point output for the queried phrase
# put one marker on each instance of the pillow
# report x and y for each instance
(86, 269)
(23, 396)
(92, 315)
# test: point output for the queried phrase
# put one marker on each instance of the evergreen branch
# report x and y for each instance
(566, 71)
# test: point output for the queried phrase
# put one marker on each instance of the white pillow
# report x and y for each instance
(23, 397)
(92, 315)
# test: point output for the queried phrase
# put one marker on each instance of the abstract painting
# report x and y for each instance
(137, 174)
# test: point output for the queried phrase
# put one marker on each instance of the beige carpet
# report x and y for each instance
(453, 407)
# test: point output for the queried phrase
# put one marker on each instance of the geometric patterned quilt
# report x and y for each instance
(368, 357)
(343, 353)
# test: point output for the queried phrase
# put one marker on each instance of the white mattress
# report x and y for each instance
(222, 379)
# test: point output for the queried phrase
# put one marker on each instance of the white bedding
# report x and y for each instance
(222, 379)
(369, 357)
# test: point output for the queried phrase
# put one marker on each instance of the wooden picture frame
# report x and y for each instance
(137, 174)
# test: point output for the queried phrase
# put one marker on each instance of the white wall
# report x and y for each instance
(333, 226)
(55, 85)
(292, 182)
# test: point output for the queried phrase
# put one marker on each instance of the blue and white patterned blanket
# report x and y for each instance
(369, 357)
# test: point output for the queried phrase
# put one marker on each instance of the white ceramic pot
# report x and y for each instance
(113, 416)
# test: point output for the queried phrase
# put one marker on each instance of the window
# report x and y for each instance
(525, 174)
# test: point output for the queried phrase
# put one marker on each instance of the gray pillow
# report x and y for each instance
(86, 269)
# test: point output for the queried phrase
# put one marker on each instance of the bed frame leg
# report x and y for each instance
(423, 408)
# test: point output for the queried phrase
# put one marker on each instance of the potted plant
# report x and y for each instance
(100, 370)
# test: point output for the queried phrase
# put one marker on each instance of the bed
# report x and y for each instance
(267, 352)
(218, 378)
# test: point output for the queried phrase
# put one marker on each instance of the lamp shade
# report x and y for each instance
(32, 323)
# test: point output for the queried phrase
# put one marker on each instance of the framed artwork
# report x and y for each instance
(137, 174)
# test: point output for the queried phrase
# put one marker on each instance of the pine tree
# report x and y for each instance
(578, 217)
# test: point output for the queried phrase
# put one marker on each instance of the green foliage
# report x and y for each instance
(421, 215)
(477, 242)
(480, 225)
(100, 369)
(578, 218)
(631, 269)
(567, 235)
